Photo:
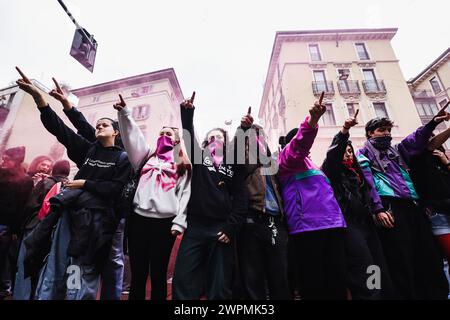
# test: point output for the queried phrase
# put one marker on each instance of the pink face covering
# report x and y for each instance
(215, 148)
(164, 149)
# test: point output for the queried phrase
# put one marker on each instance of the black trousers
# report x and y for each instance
(412, 254)
(321, 264)
(150, 244)
(204, 265)
(263, 265)
(363, 249)
(5, 274)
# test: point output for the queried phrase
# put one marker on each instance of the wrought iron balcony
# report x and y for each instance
(323, 86)
(423, 94)
(349, 87)
(374, 86)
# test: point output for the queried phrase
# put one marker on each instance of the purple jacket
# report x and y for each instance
(309, 200)
(391, 178)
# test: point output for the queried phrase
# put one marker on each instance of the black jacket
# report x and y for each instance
(351, 193)
(36, 199)
(217, 195)
(15, 188)
(92, 228)
(432, 181)
(80, 123)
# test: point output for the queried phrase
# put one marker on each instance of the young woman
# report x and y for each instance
(215, 212)
(83, 236)
(40, 168)
(354, 195)
(315, 221)
(112, 273)
(159, 204)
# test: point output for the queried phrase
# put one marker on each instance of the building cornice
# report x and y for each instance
(433, 67)
(168, 74)
(318, 35)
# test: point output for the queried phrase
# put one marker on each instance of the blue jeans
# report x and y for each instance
(112, 274)
(52, 279)
(440, 224)
(5, 243)
(22, 287)
(63, 276)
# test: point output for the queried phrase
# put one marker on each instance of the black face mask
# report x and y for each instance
(381, 143)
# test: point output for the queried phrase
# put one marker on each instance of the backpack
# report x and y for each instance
(129, 190)
(45, 208)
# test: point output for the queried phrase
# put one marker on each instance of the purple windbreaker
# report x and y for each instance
(308, 197)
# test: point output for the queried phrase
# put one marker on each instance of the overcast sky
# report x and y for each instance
(221, 49)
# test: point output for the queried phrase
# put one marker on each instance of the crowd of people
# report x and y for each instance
(255, 223)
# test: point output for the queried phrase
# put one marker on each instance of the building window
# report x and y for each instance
(5, 106)
(435, 85)
(141, 112)
(352, 107)
(427, 109)
(443, 103)
(380, 109)
(314, 52)
(328, 118)
(362, 51)
(321, 81)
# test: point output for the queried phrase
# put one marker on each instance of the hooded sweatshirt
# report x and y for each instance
(218, 191)
(105, 169)
(157, 196)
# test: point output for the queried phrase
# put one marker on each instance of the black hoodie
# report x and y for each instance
(105, 169)
(217, 195)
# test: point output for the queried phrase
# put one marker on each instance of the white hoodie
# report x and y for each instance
(151, 200)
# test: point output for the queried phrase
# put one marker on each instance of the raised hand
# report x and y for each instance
(442, 115)
(189, 103)
(317, 111)
(26, 85)
(120, 105)
(58, 94)
(441, 155)
(247, 120)
(351, 122)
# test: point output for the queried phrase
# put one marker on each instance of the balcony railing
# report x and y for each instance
(423, 94)
(374, 86)
(323, 86)
(348, 87)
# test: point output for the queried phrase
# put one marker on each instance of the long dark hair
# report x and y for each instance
(117, 140)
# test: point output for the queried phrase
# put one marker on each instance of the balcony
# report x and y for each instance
(423, 94)
(374, 87)
(349, 87)
(323, 86)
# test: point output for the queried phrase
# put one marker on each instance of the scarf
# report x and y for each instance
(163, 166)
